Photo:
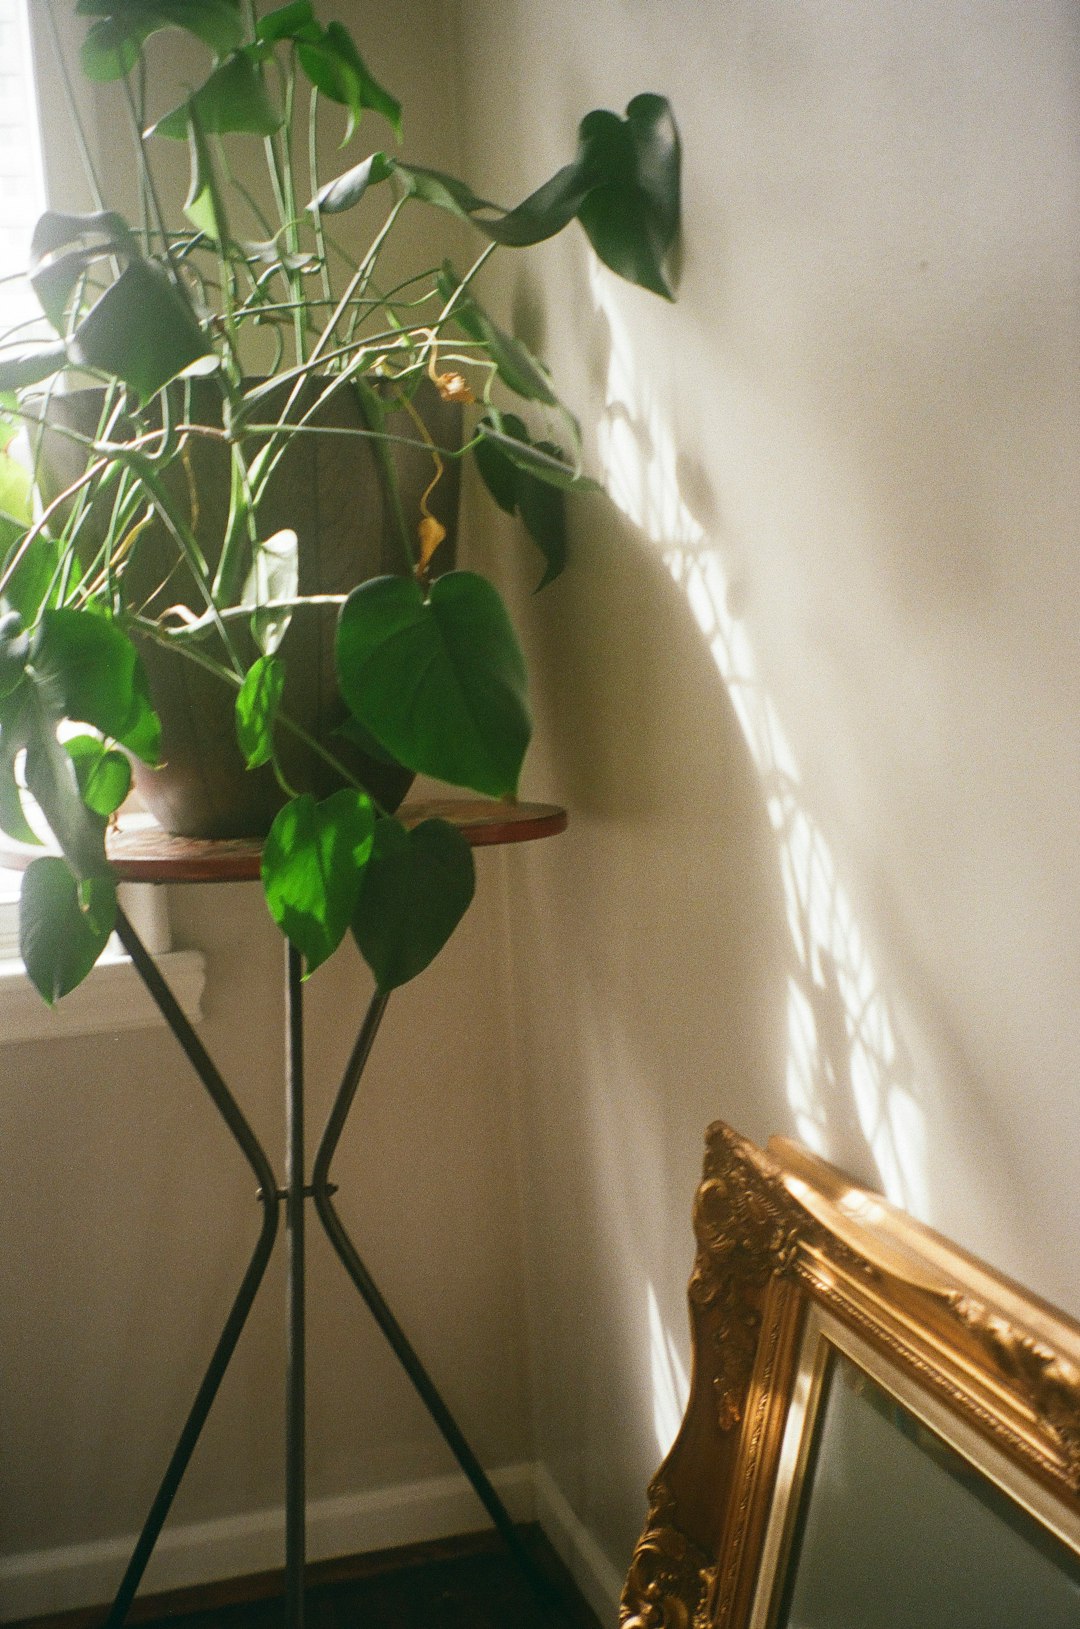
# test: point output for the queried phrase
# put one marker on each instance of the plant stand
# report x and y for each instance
(154, 857)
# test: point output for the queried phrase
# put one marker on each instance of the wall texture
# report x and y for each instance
(810, 685)
(809, 690)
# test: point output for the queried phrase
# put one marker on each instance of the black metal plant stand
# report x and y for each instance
(153, 857)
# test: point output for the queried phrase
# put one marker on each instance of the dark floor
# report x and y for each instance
(467, 1583)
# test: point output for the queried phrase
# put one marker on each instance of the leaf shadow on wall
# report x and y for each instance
(691, 933)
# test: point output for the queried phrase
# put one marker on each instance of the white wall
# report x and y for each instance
(829, 613)
(835, 896)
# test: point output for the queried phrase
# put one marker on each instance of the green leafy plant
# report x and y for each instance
(163, 316)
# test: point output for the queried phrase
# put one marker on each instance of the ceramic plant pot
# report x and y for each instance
(327, 489)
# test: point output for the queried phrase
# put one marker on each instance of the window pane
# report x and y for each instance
(21, 188)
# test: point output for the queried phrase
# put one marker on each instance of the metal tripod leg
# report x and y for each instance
(322, 1189)
(295, 1478)
(252, 1150)
(294, 1195)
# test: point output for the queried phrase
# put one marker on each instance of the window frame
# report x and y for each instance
(113, 997)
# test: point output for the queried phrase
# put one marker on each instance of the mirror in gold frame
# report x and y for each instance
(881, 1431)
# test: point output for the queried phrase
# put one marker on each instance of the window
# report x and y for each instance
(118, 1000)
(22, 189)
(22, 198)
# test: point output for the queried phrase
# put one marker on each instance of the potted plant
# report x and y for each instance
(143, 537)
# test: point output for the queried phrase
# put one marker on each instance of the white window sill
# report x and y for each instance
(112, 998)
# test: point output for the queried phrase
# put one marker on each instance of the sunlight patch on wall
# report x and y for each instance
(843, 1048)
(670, 1385)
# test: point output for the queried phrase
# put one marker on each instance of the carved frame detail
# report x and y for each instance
(777, 1232)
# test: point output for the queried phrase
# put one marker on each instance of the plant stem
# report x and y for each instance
(363, 272)
(40, 525)
(284, 430)
(313, 182)
(184, 539)
(281, 183)
(144, 199)
(210, 432)
(240, 529)
(235, 613)
(147, 180)
(481, 259)
(292, 234)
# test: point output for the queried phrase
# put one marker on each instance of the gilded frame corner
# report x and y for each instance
(779, 1234)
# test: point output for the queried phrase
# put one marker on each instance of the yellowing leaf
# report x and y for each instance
(453, 388)
(431, 533)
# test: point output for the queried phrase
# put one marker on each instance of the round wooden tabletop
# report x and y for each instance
(143, 853)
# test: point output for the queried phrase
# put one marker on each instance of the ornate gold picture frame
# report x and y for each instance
(870, 1409)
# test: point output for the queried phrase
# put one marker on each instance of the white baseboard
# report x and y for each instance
(80, 1575)
(596, 1578)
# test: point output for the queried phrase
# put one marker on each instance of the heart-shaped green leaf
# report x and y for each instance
(312, 864)
(257, 709)
(111, 49)
(93, 234)
(30, 365)
(13, 736)
(535, 457)
(218, 23)
(335, 67)
(35, 578)
(631, 213)
(14, 651)
(440, 682)
(444, 191)
(52, 781)
(13, 819)
(103, 774)
(204, 205)
(112, 46)
(140, 330)
(623, 186)
(55, 282)
(89, 671)
(64, 246)
(543, 509)
(29, 716)
(15, 489)
(416, 888)
(500, 474)
(234, 98)
(63, 925)
(517, 489)
(295, 21)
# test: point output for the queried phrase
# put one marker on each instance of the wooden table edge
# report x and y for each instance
(150, 855)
